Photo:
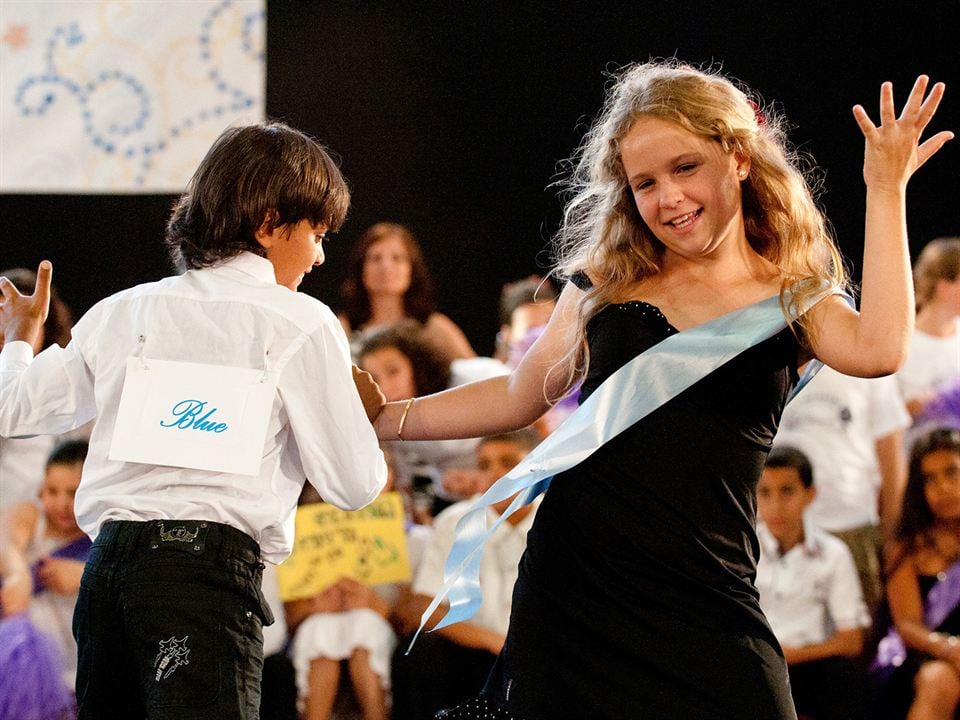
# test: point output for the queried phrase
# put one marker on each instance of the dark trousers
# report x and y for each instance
(168, 623)
(834, 688)
(437, 674)
(278, 697)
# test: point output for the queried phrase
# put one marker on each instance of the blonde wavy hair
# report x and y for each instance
(602, 233)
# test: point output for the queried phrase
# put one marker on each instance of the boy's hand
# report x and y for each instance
(22, 316)
(370, 394)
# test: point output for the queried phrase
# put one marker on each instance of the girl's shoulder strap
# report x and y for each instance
(581, 280)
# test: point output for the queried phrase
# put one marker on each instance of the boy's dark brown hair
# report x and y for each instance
(250, 173)
(790, 457)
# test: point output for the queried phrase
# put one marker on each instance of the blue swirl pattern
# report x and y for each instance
(37, 94)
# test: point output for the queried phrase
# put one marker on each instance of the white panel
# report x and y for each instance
(123, 95)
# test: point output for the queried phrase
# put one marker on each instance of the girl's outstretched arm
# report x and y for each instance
(874, 342)
(499, 404)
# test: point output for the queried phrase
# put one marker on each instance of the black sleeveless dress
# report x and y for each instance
(636, 598)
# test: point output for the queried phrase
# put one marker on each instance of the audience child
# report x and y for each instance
(405, 363)
(448, 665)
(918, 662)
(349, 625)
(42, 552)
(851, 429)
(933, 361)
(525, 308)
(170, 612)
(810, 593)
(387, 283)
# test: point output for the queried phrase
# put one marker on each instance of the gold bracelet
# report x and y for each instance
(403, 418)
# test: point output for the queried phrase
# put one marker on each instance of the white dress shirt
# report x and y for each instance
(499, 566)
(811, 591)
(233, 315)
(836, 422)
(932, 364)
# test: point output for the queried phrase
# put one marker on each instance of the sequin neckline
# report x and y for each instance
(647, 311)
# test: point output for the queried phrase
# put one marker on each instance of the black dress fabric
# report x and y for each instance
(635, 598)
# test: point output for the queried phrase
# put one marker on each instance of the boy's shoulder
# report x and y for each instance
(831, 549)
(304, 311)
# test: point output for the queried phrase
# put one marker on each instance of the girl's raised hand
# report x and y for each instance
(893, 150)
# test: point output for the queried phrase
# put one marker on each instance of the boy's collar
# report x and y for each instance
(251, 264)
(810, 544)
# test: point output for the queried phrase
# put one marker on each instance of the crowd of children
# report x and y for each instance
(858, 564)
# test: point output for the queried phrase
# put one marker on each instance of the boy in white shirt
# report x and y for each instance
(189, 484)
(810, 594)
(450, 665)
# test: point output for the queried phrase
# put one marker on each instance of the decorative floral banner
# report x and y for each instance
(123, 95)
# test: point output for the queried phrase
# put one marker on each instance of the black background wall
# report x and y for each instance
(453, 118)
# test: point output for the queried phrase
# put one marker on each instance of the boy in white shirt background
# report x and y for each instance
(448, 666)
(851, 430)
(810, 594)
(168, 620)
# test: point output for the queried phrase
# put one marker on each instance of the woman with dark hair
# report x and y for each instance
(918, 662)
(22, 460)
(387, 282)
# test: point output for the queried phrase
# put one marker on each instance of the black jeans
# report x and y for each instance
(168, 623)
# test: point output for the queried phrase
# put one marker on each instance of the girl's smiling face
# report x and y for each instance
(686, 188)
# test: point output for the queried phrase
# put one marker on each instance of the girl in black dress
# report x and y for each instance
(635, 598)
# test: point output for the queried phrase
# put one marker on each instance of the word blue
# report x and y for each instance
(186, 416)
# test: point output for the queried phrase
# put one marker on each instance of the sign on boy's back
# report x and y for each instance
(369, 545)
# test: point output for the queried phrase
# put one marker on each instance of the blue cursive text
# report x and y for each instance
(187, 416)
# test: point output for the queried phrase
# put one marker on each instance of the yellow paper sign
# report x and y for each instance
(369, 545)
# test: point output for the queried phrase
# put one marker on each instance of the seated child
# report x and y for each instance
(349, 624)
(42, 553)
(918, 662)
(810, 593)
(450, 665)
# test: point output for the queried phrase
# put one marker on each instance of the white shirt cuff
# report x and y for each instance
(15, 355)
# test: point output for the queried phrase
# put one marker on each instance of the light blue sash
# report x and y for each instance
(635, 390)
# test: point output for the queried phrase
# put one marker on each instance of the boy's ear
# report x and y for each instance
(811, 493)
(267, 233)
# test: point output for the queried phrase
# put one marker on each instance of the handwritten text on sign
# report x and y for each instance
(369, 545)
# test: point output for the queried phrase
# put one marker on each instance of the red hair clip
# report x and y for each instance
(758, 113)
